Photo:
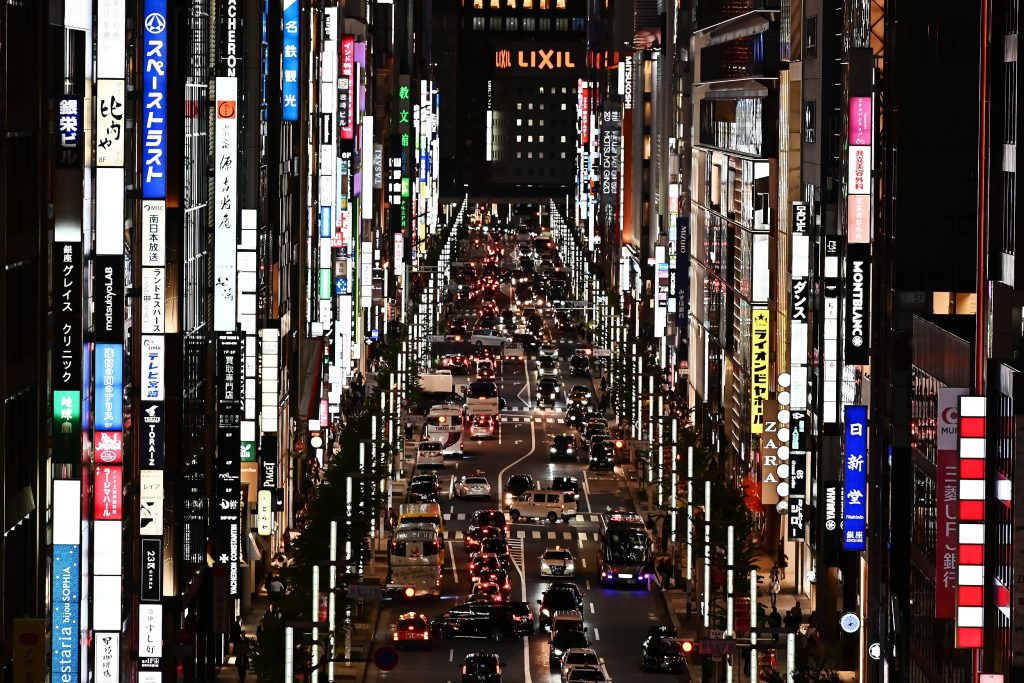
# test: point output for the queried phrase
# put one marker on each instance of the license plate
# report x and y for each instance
(625, 576)
(557, 570)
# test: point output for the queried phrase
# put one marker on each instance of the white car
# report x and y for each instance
(547, 367)
(429, 454)
(473, 487)
(557, 561)
(488, 338)
(548, 350)
(579, 656)
(589, 674)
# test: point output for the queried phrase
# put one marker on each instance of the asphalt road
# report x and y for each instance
(617, 619)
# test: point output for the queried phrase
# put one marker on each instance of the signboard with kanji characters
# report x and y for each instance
(855, 473)
(760, 326)
(290, 61)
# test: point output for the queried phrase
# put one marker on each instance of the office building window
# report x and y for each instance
(561, 24)
(478, 4)
(495, 4)
(811, 37)
(810, 117)
(545, 24)
(1010, 99)
(511, 24)
(527, 4)
(512, 4)
(1012, 16)
(559, 4)
(563, 106)
(577, 24)
(495, 23)
(478, 23)
(1009, 212)
(544, 4)
(529, 24)
(563, 138)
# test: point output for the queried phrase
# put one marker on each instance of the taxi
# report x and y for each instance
(412, 629)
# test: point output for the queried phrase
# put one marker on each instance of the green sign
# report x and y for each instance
(248, 451)
(325, 284)
(67, 427)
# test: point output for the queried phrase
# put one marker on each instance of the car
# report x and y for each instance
(529, 341)
(582, 656)
(472, 486)
(455, 362)
(594, 426)
(547, 367)
(496, 621)
(514, 352)
(429, 454)
(481, 667)
(566, 483)
(559, 596)
(664, 653)
(586, 674)
(489, 517)
(473, 540)
(563, 447)
(482, 426)
(485, 369)
(601, 457)
(598, 437)
(488, 337)
(485, 591)
(535, 325)
(562, 641)
(500, 579)
(411, 629)
(425, 476)
(548, 350)
(544, 504)
(517, 485)
(481, 563)
(497, 545)
(548, 391)
(424, 492)
(574, 416)
(457, 326)
(489, 320)
(579, 366)
(557, 561)
(579, 394)
(567, 620)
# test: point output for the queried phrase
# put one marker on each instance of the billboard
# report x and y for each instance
(67, 426)
(225, 231)
(154, 99)
(855, 473)
(110, 121)
(947, 475)
(760, 326)
(108, 295)
(290, 60)
(107, 496)
(856, 328)
(152, 368)
(108, 392)
(65, 615)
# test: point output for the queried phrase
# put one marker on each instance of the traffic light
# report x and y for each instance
(619, 444)
(689, 647)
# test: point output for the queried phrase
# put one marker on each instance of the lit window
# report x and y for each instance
(529, 138)
(563, 106)
(564, 90)
(545, 23)
(478, 23)
(527, 4)
(519, 122)
(519, 155)
(511, 23)
(540, 105)
(559, 4)
(563, 155)
(561, 24)
(519, 105)
(529, 155)
(545, 4)
(512, 4)
(529, 24)
(519, 138)
(540, 155)
(541, 90)
(478, 4)
(563, 138)
(540, 138)
(529, 122)
(495, 4)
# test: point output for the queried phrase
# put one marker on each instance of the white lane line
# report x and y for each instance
(586, 491)
(566, 535)
(588, 584)
(551, 535)
(591, 610)
(579, 541)
(451, 556)
(533, 447)
(451, 655)
(597, 634)
(526, 641)
(584, 561)
(534, 534)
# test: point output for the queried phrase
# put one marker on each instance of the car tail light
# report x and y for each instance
(410, 592)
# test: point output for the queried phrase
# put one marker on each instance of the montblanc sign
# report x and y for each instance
(858, 304)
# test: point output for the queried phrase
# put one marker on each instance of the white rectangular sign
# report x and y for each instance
(154, 284)
(67, 512)
(107, 657)
(110, 50)
(151, 633)
(110, 122)
(152, 368)
(225, 227)
(154, 233)
(109, 210)
(106, 600)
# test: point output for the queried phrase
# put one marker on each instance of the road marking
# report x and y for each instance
(526, 641)
(586, 491)
(588, 584)
(597, 634)
(579, 541)
(592, 608)
(567, 535)
(451, 554)
(584, 561)
(551, 535)
(451, 655)
(534, 534)
(533, 447)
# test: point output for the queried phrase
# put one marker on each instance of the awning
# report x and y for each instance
(745, 88)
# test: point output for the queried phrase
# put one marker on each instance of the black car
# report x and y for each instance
(575, 416)
(495, 518)
(564, 640)
(529, 342)
(548, 391)
(481, 667)
(662, 653)
(563, 447)
(517, 485)
(559, 596)
(424, 492)
(579, 366)
(571, 484)
(496, 621)
(475, 537)
(602, 457)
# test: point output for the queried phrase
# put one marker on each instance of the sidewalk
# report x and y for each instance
(250, 620)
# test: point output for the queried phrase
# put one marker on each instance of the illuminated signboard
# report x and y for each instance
(108, 447)
(855, 473)
(535, 59)
(971, 586)
(225, 227)
(107, 500)
(65, 592)
(67, 426)
(858, 304)
(110, 123)
(69, 130)
(830, 353)
(947, 496)
(154, 99)
(346, 87)
(108, 387)
(290, 61)
(760, 326)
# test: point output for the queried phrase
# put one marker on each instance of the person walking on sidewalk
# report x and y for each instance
(782, 560)
(775, 623)
(242, 662)
(773, 590)
(237, 635)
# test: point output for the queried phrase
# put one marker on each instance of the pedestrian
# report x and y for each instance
(408, 431)
(774, 574)
(242, 662)
(664, 570)
(773, 590)
(276, 590)
(604, 383)
(775, 623)
(260, 626)
(237, 635)
(782, 560)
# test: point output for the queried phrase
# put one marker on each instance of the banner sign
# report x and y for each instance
(346, 87)
(858, 304)
(227, 518)
(154, 284)
(67, 426)
(108, 391)
(971, 583)
(69, 130)
(947, 476)
(108, 500)
(290, 61)
(110, 123)
(152, 368)
(759, 330)
(108, 448)
(65, 627)
(154, 99)
(108, 295)
(225, 229)
(150, 587)
(152, 457)
(855, 468)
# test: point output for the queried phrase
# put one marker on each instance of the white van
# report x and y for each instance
(544, 504)
(430, 454)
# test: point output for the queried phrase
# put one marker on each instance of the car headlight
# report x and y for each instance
(568, 450)
(558, 652)
(545, 567)
(552, 396)
(545, 612)
(539, 394)
(553, 449)
(570, 567)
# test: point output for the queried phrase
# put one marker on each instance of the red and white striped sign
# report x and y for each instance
(970, 590)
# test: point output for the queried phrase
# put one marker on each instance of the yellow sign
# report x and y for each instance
(534, 59)
(760, 327)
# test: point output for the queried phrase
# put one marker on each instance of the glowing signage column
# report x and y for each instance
(760, 327)
(971, 586)
(855, 473)
(290, 60)
(947, 496)
(66, 580)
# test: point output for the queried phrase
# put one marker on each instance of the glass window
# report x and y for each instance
(511, 23)
(529, 24)
(561, 24)
(545, 4)
(577, 24)
(545, 22)
(478, 23)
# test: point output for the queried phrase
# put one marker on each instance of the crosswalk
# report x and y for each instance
(516, 551)
(465, 517)
(528, 419)
(535, 535)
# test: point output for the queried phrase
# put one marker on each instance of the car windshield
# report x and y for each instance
(422, 487)
(557, 555)
(566, 639)
(481, 664)
(493, 517)
(410, 625)
(563, 440)
(520, 482)
(581, 658)
(556, 600)
(475, 480)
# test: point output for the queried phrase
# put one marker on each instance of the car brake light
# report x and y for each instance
(410, 592)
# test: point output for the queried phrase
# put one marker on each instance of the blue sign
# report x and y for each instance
(154, 99)
(64, 622)
(326, 224)
(290, 61)
(108, 393)
(855, 477)
(341, 285)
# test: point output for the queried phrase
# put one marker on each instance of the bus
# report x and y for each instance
(625, 553)
(415, 562)
(444, 425)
